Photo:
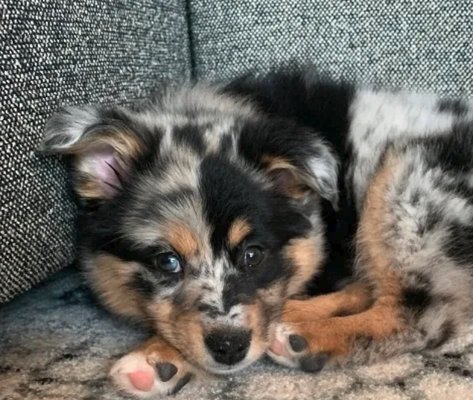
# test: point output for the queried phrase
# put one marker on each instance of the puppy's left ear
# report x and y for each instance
(295, 158)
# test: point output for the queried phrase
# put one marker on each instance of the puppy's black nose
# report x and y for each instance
(228, 347)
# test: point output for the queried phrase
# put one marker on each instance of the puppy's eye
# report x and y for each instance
(169, 262)
(253, 256)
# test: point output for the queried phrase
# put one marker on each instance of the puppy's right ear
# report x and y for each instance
(101, 144)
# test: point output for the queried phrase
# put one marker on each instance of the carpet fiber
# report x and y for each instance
(56, 343)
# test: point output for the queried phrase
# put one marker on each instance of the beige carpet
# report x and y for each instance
(55, 343)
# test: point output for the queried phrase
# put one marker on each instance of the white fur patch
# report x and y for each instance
(378, 118)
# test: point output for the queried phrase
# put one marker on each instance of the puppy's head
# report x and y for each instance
(199, 216)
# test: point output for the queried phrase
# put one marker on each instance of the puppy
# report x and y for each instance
(208, 211)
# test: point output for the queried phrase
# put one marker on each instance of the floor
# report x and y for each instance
(57, 343)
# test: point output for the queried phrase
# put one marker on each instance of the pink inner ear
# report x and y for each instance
(107, 170)
(285, 181)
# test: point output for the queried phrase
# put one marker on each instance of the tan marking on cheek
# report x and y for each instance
(255, 322)
(162, 313)
(183, 239)
(110, 278)
(273, 298)
(181, 328)
(193, 338)
(272, 295)
(238, 231)
(305, 255)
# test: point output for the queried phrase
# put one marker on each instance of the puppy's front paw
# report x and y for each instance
(146, 373)
(291, 349)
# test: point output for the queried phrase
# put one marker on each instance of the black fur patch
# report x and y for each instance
(453, 152)
(453, 106)
(142, 285)
(308, 99)
(226, 192)
(459, 246)
(432, 218)
(191, 136)
(229, 193)
(323, 106)
(226, 144)
(416, 299)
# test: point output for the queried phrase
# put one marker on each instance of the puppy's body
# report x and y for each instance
(263, 189)
(406, 190)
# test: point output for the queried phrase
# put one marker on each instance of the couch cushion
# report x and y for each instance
(424, 44)
(54, 53)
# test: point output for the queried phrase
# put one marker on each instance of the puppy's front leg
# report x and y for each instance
(155, 368)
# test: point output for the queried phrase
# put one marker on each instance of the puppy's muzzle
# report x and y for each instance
(228, 347)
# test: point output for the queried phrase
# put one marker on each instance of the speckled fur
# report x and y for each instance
(333, 140)
(426, 224)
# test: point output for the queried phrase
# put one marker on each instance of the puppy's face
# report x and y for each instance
(199, 217)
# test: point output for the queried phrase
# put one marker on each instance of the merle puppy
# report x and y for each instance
(210, 211)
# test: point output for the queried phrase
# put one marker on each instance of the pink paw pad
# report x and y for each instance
(278, 348)
(142, 380)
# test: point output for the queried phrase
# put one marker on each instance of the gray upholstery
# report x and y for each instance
(424, 44)
(54, 53)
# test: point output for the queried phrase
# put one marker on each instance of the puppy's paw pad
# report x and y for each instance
(133, 374)
(281, 350)
(297, 343)
(142, 380)
(166, 370)
(291, 349)
(313, 363)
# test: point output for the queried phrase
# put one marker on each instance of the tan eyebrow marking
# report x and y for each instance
(183, 239)
(239, 229)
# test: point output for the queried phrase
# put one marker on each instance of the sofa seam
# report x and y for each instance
(190, 39)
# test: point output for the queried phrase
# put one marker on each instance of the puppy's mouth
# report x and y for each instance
(222, 369)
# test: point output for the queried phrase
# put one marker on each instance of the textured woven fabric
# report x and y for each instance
(58, 345)
(424, 45)
(55, 53)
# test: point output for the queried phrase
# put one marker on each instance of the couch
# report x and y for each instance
(55, 342)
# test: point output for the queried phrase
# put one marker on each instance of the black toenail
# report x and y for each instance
(166, 371)
(182, 382)
(313, 363)
(298, 343)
